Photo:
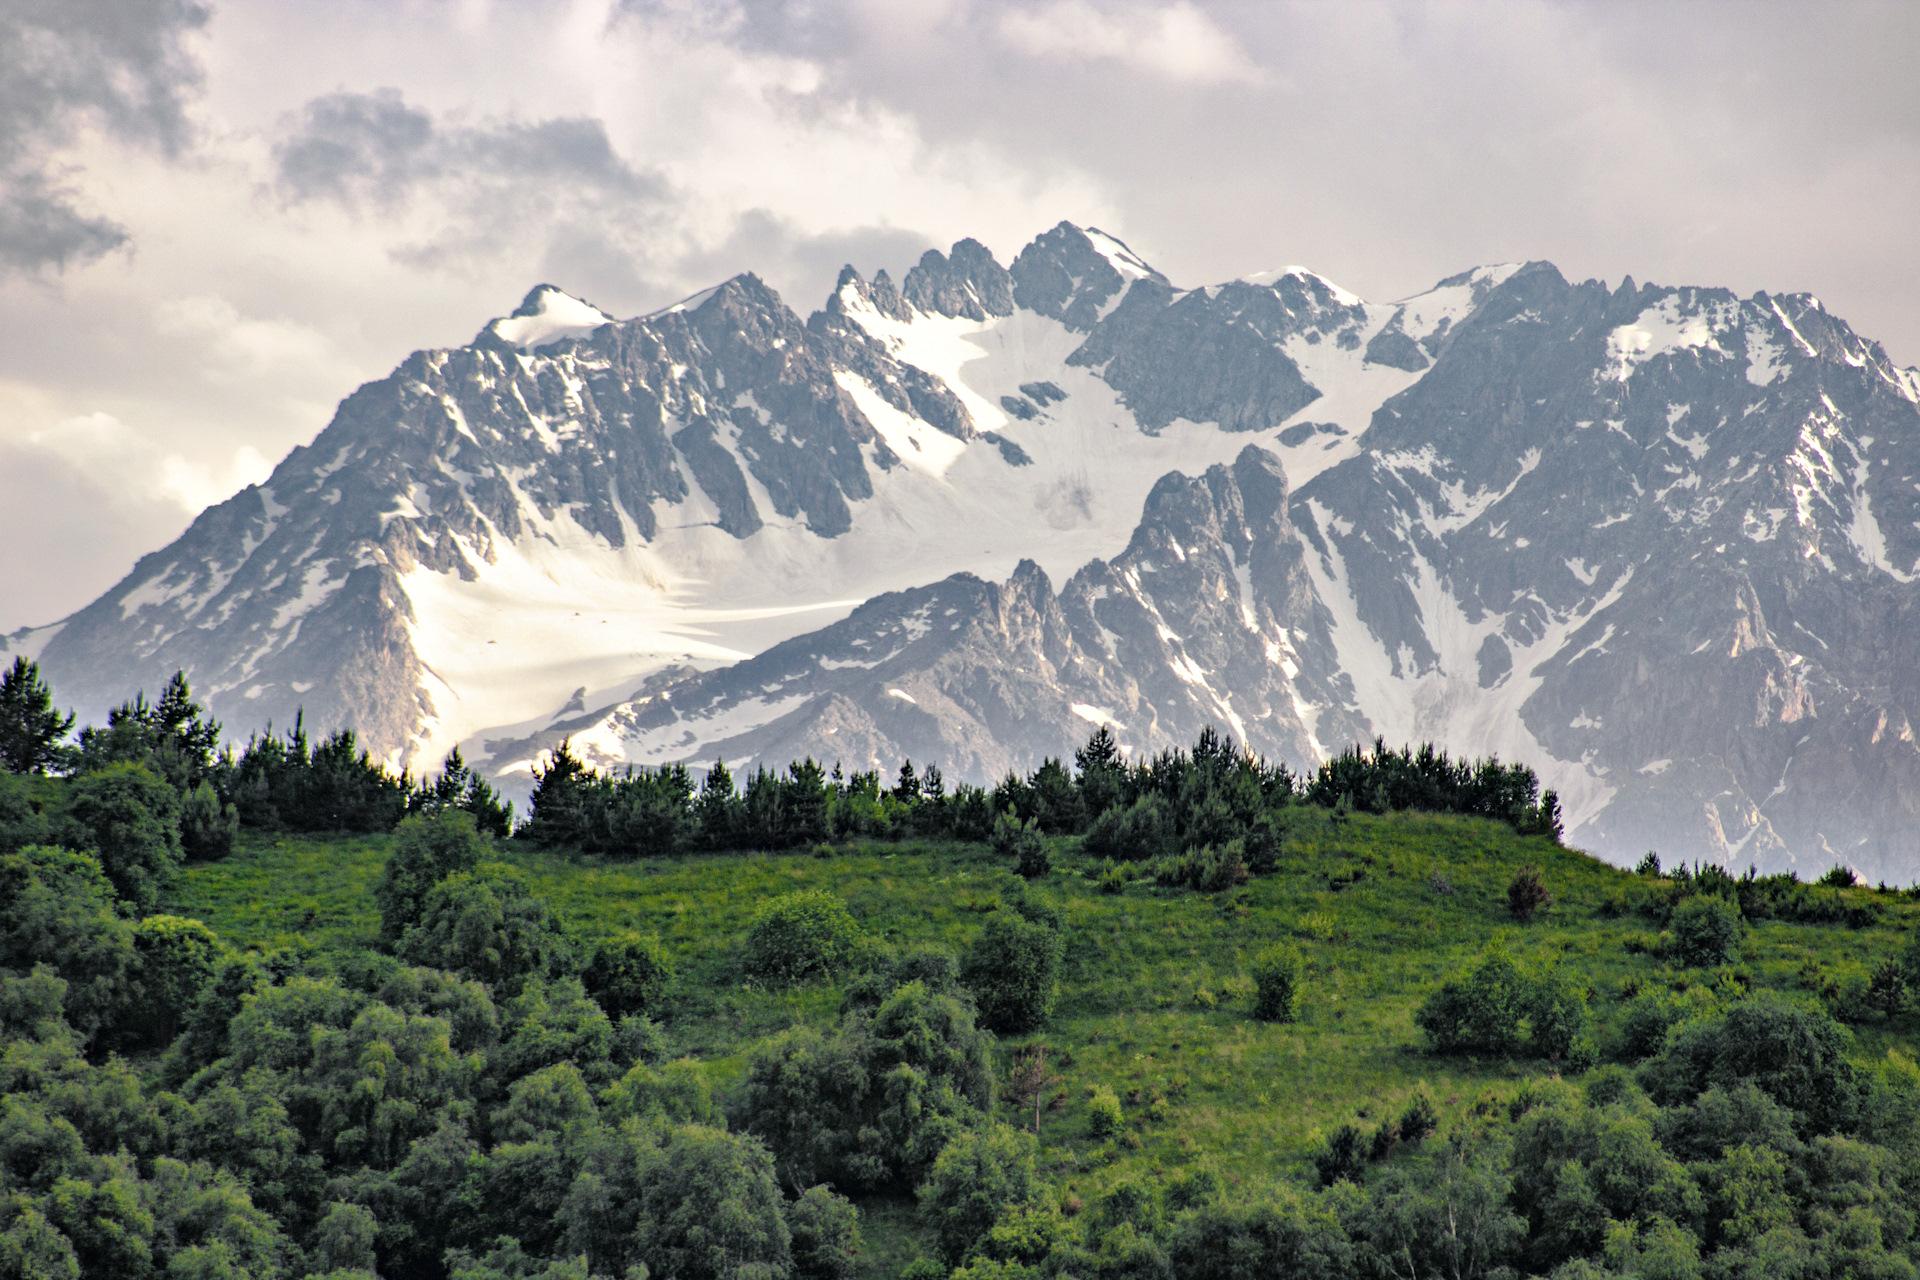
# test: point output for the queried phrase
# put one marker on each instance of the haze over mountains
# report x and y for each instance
(1659, 543)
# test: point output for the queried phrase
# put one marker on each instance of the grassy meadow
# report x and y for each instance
(1154, 999)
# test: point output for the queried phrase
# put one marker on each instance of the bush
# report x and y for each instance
(1132, 834)
(1344, 1158)
(174, 962)
(628, 976)
(981, 1174)
(1418, 1122)
(207, 827)
(56, 908)
(1207, 869)
(427, 848)
(1103, 1113)
(801, 936)
(1527, 894)
(132, 819)
(1011, 969)
(1796, 1054)
(487, 924)
(1838, 877)
(1276, 983)
(1497, 1009)
(826, 1235)
(1706, 928)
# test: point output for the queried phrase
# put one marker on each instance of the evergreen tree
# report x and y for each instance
(459, 787)
(30, 728)
(716, 810)
(907, 790)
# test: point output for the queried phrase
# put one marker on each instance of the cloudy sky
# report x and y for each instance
(217, 218)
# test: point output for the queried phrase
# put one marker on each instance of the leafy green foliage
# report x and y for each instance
(132, 820)
(800, 936)
(871, 1105)
(628, 976)
(1277, 972)
(825, 1230)
(427, 848)
(174, 960)
(56, 908)
(1498, 1009)
(1706, 928)
(981, 1174)
(1012, 969)
(488, 924)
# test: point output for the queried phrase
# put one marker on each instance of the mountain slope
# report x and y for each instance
(1660, 543)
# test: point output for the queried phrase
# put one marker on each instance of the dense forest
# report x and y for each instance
(270, 1010)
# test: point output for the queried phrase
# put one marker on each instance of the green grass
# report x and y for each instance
(1249, 1098)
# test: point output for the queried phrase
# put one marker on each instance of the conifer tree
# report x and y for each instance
(30, 728)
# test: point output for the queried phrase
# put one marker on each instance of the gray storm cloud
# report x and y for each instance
(119, 66)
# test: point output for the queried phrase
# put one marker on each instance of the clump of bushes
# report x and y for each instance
(801, 936)
(1012, 969)
(1499, 1009)
(1706, 928)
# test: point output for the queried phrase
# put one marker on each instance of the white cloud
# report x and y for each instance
(1177, 41)
(121, 460)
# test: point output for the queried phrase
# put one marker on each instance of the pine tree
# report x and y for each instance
(907, 790)
(30, 728)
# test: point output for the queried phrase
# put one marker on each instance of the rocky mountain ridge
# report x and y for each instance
(1660, 543)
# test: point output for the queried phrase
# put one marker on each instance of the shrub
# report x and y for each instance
(1279, 1235)
(174, 961)
(980, 1175)
(1276, 983)
(1838, 877)
(56, 908)
(801, 936)
(826, 1235)
(1497, 1009)
(628, 976)
(132, 819)
(1207, 869)
(1136, 833)
(487, 924)
(1011, 969)
(1705, 929)
(1344, 1158)
(1035, 862)
(1103, 1113)
(427, 848)
(1527, 894)
(207, 827)
(1887, 990)
(1796, 1054)
(1418, 1122)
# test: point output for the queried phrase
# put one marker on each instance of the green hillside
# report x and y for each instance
(1155, 997)
(1183, 1017)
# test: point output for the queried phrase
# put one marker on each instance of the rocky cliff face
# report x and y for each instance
(1660, 543)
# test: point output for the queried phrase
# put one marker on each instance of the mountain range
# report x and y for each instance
(1660, 543)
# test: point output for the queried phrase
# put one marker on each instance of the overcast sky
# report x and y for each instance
(218, 219)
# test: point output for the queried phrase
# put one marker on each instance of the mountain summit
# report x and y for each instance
(1661, 543)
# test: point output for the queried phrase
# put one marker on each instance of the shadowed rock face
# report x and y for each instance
(1659, 543)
